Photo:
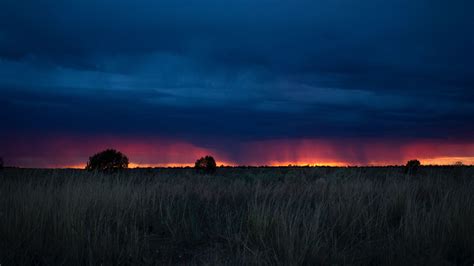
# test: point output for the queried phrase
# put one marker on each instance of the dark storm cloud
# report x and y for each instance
(238, 69)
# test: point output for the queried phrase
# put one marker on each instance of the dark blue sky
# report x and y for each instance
(217, 74)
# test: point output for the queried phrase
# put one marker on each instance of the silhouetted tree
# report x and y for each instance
(1, 163)
(206, 164)
(458, 163)
(107, 161)
(412, 166)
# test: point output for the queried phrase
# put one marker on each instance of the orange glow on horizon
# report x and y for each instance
(75, 166)
(447, 161)
(73, 152)
(145, 165)
(441, 161)
(171, 165)
(309, 163)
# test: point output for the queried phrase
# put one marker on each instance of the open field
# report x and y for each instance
(238, 216)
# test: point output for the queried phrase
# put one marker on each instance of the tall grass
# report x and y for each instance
(279, 216)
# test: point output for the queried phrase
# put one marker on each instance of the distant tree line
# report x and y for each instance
(111, 160)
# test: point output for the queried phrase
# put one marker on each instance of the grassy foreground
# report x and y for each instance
(264, 216)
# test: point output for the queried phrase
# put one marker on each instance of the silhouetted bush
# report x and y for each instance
(108, 161)
(206, 164)
(412, 167)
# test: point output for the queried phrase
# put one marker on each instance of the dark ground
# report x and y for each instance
(238, 216)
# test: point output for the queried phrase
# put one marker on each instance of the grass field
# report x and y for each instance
(238, 216)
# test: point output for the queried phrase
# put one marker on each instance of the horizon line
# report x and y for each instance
(249, 166)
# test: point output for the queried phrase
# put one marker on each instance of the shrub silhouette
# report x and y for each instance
(412, 166)
(109, 160)
(206, 164)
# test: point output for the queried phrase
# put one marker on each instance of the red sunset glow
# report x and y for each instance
(73, 152)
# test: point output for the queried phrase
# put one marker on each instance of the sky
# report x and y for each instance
(251, 82)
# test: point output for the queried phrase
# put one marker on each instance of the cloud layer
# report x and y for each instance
(225, 73)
